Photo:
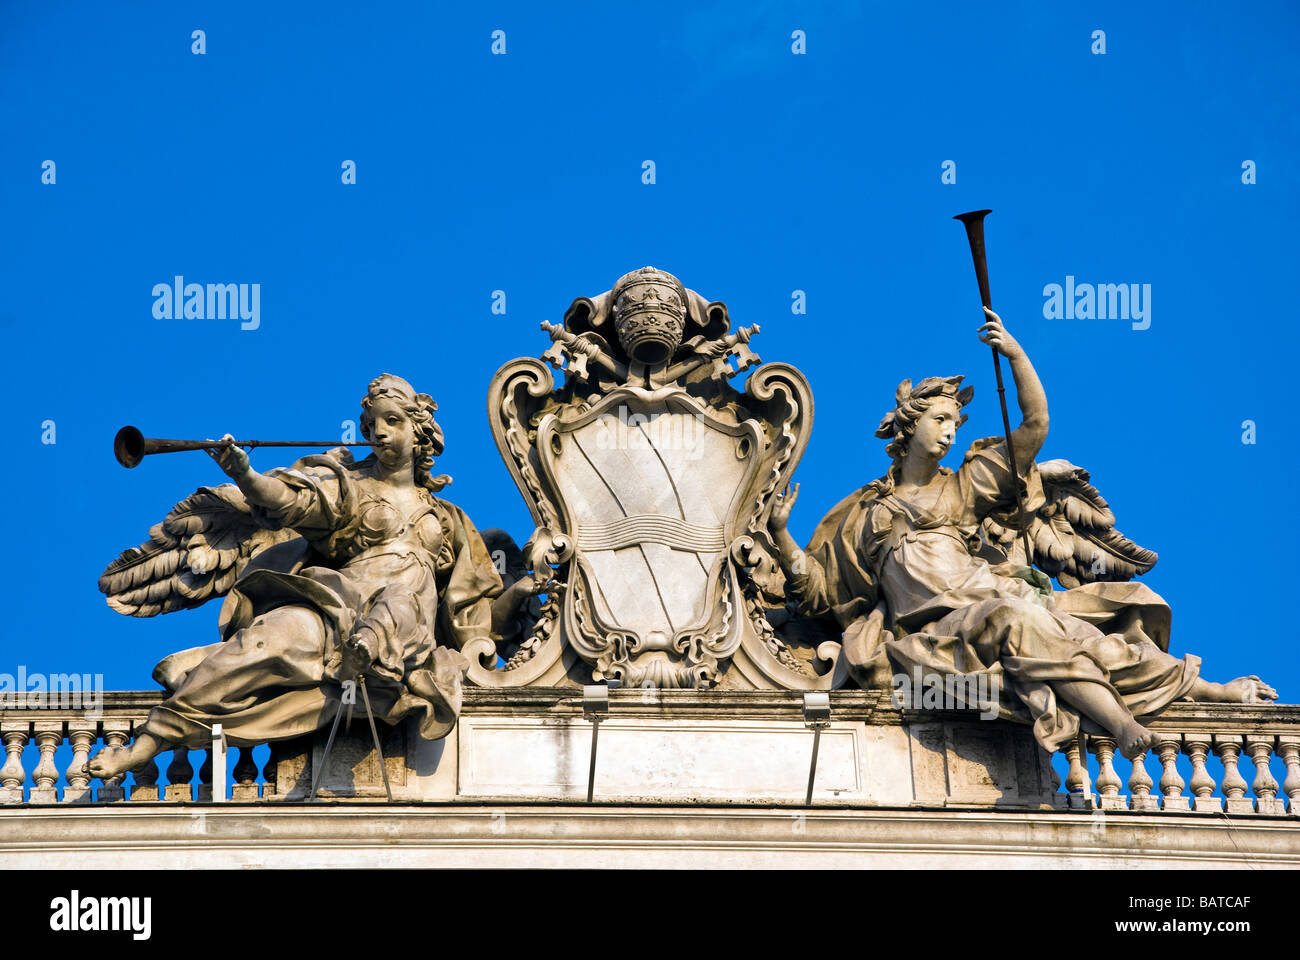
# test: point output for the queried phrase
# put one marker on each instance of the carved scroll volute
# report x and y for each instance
(783, 399)
(516, 396)
(779, 396)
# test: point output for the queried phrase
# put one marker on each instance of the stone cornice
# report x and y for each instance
(568, 835)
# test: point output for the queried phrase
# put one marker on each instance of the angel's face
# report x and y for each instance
(936, 430)
(391, 433)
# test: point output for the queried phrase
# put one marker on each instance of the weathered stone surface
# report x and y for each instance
(355, 834)
(690, 747)
(644, 759)
(971, 763)
(418, 769)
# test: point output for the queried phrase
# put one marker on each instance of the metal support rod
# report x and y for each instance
(595, 707)
(812, 767)
(816, 716)
(374, 732)
(591, 772)
(324, 757)
(334, 729)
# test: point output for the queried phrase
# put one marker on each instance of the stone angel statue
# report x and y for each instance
(330, 569)
(923, 568)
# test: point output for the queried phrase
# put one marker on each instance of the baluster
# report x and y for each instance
(1198, 748)
(144, 781)
(271, 772)
(116, 734)
(1228, 748)
(12, 774)
(1108, 782)
(81, 734)
(1265, 786)
(179, 773)
(1079, 790)
(1059, 800)
(1289, 747)
(205, 778)
(1139, 785)
(1171, 782)
(245, 787)
(45, 778)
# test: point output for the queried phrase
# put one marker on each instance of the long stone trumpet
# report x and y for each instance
(130, 446)
(974, 224)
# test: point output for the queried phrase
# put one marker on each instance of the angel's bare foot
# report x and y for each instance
(1242, 690)
(1135, 740)
(114, 761)
(1249, 690)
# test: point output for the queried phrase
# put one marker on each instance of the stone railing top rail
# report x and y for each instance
(867, 705)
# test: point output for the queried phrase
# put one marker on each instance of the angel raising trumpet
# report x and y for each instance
(331, 569)
(923, 568)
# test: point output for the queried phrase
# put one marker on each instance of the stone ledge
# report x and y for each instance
(872, 706)
(346, 834)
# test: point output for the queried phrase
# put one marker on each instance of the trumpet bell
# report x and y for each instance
(129, 447)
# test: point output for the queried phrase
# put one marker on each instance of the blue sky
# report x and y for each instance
(775, 172)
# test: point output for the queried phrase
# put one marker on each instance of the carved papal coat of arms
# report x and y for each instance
(650, 478)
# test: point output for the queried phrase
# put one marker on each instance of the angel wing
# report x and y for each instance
(1073, 533)
(198, 552)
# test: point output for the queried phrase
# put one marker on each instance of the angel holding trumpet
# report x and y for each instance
(923, 568)
(331, 569)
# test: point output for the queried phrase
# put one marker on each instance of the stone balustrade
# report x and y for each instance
(1232, 733)
(48, 729)
(1240, 742)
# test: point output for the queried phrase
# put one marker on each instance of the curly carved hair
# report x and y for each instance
(419, 407)
(898, 425)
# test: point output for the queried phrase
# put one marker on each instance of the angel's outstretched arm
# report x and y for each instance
(805, 576)
(257, 488)
(1028, 438)
(792, 558)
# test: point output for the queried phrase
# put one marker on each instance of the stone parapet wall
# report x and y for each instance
(451, 835)
(693, 747)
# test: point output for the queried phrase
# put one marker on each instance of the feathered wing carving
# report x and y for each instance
(196, 553)
(1073, 533)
